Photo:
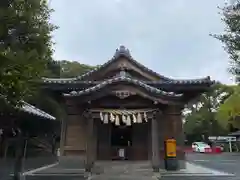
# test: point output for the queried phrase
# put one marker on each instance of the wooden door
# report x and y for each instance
(140, 142)
(103, 141)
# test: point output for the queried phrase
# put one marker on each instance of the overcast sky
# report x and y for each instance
(168, 36)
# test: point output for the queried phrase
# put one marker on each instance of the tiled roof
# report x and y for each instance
(35, 111)
(123, 79)
(122, 51)
(183, 81)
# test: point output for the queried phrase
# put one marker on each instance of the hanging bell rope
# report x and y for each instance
(112, 118)
(120, 111)
(127, 117)
(105, 120)
(128, 121)
(117, 120)
(101, 116)
(139, 118)
(134, 118)
(145, 117)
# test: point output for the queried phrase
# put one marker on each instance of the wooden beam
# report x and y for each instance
(96, 114)
(114, 102)
(63, 130)
(144, 94)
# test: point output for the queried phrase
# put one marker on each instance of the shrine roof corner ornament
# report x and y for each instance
(26, 107)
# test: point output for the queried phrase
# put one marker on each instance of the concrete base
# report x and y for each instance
(182, 164)
(194, 170)
(155, 169)
(72, 162)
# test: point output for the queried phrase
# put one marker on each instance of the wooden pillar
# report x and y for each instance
(90, 144)
(174, 130)
(155, 144)
(63, 136)
(63, 128)
(20, 148)
(95, 128)
(5, 145)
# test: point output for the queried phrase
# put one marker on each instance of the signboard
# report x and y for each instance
(171, 148)
(222, 138)
(121, 153)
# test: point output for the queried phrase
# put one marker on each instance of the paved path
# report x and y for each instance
(7, 165)
(227, 162)
(224, 163)
(135, 170)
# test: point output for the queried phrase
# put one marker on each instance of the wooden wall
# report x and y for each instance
(169, 126)
(75, 131)
(140, 141)
(103, 141)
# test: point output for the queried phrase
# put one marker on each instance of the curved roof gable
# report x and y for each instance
(124, 79)
(122, 51)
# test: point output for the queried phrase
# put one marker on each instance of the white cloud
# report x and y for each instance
(170, 37)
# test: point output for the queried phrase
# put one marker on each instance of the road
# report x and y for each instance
(226, 162)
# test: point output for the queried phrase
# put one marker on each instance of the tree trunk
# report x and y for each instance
(53, 144)
(5, 145)
(18, 167)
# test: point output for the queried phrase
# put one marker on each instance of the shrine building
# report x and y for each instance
(123, 111)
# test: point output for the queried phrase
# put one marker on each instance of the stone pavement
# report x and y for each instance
(125, 170)
(201, 167)
(226, 162)
(163, 178)
(142, 170)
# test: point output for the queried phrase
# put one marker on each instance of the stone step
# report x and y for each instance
(71, 162)
(124, 177)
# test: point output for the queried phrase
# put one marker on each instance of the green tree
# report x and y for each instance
(25, 47)
(231, 36)
(66, 69)
(229, 112)
(57, 69)
(201, 117)
(71, 69)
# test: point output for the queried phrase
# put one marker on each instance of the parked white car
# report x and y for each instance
(201, 147)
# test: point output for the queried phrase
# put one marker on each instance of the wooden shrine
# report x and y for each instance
(123, 111)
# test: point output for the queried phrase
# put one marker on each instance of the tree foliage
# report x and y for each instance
(71, 69)
(229, 111)
(57, 69)
(25, 46)
(231, 36)
(66, 69)
(200, 118)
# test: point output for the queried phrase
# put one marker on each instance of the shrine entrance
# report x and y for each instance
(123, 134)
(121, 141)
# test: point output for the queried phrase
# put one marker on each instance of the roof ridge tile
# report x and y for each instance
(126, 79)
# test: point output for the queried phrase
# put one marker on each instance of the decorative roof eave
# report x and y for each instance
(199, 81)
(28, 108)
(35, 111)
(124, 79)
